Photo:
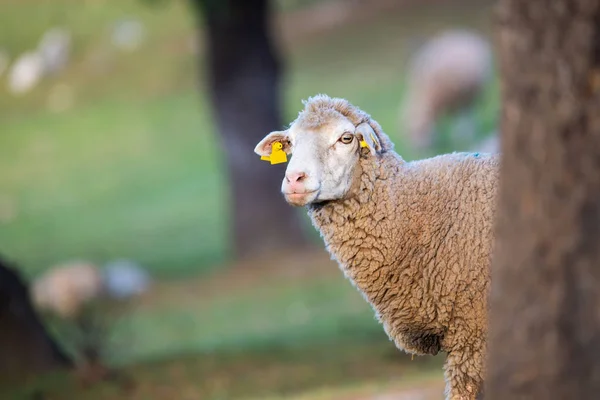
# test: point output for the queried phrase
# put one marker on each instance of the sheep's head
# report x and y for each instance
(326, 142)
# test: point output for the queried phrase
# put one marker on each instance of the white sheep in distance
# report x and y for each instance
(25, 73)
(414, 237)
(446, 76)
(55, 49)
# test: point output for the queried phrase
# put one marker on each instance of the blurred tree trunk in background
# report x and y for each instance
(25, 346)
(545, 301)
(244, 81)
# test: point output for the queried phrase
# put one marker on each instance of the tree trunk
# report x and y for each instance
(244, 75)
(25, 346)
(545, 302)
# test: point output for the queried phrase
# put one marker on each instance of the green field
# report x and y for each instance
(132, 168)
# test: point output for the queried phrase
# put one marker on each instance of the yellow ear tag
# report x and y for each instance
(277, 154)
(363, 143)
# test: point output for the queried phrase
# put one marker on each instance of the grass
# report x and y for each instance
(289, 312)
(280, 374)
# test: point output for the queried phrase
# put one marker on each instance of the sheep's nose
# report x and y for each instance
(295, 177)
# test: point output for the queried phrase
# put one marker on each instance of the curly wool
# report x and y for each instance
(416, 239)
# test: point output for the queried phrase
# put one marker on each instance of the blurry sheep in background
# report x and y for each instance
(446, 75)
(82, 303)
(51, 57)
(55, 49)
(65, 289)
(26, 73)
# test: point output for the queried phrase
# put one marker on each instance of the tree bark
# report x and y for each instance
(544, 339)
(25, 346)
(244, 82)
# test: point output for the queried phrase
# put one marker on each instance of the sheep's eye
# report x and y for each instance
(347, 138)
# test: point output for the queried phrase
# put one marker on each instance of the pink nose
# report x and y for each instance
(294, 177)
(295, 180)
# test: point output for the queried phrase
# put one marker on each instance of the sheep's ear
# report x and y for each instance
(368, 135)
(263, 148)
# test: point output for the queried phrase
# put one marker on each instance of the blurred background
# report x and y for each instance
(144, 244)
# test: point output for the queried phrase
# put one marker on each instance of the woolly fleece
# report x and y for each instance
(415, 238)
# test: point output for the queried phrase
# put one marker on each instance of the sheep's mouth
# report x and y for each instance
(300, 199)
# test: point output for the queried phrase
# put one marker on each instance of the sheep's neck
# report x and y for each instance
(357, 232)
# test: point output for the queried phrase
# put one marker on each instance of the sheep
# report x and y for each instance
(446, 76)
(55, 49)
(65, 289)
(25, 73)
(413, 237)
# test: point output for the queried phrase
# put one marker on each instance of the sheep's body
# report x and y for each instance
(416, 242)
(445, 76)
(414, 237)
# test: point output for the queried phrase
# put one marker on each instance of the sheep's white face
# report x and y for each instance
(323, 160)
